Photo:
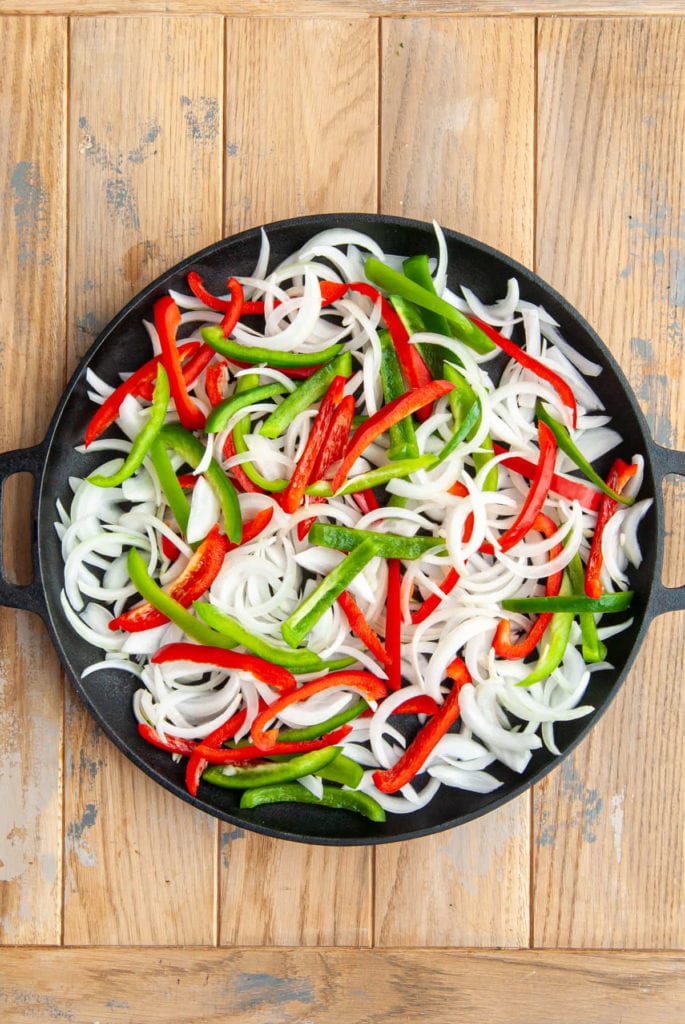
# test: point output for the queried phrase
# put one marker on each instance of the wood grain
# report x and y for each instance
(303, 142)
(358, 986)
(446, 154)
(611, 224)
(145, 189)
(32, 200)
(359, 8)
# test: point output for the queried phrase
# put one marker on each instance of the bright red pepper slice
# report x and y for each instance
(393, 623)
(537, 494)
(574, 490)
(234, 310)
(563, 389)
(390, 780)
(385, 418)
(619, 475)
(331, 291)
(193, 582)
(502, 643)
(292, 496)
(422, 705)
(274, 675)
(368, 685)
(235, 755)
(433, 600)
(197, 764)
(196, 285)
(331, 452)
(167, 317)
(366, 501)
(237, 472)
(362, 628)
(140, 384)
(174, 744)
(216, 379)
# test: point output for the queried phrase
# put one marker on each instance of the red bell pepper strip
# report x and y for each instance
(237, 472)
(390, 780)
(366, 501)
(573, 490)
(234, 755)
(433, 600)
(368, 685)
(537, 494)
(502, 643)
(362, 628)
(393, 623)
(563, 389)
(196, 285)
(140, 385)
(422, 705)
(193, 582)
(274, 675)
(382, 420)
(331, 291)
(234, 309)
(619, 475)
(331, 452)
(216, 379)
(292, 496)
(197, 764)
(174, 744)
(167, 317)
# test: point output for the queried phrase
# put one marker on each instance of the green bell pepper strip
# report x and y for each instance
(310, 391)
(168, 481)
(614, 602)
(374, 478)
(344, 771)
(248, 382)
(360, 803)
(221, 413)
(466, 427)
(568, 446)
(389, 545)
(396, 283)
(403, 444)
(461, 401)
(215, 338)
(273, 772)
(301, 622)
(191, 451)
(593, 648)
(558, 633)
(417, 270)
(146, 437)
(297, 661)
(414, 323)
(312, 732)
(153, 593)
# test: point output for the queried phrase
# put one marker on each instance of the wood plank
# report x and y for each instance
(145, 190)
(302, 141)
(610, 237)
(459, 165)
(365, 986)
(32, 202)
(360, 8)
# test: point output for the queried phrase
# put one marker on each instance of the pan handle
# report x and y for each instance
(30, 596)
(667, 461)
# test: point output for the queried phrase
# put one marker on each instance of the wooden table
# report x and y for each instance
(133, 133)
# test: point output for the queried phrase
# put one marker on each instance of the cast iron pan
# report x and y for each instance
(123, 346)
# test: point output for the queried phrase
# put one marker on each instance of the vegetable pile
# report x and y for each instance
(349, 533)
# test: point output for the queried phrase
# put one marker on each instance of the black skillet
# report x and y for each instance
(123, 346)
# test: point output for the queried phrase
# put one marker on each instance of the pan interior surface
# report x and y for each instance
(123, 346)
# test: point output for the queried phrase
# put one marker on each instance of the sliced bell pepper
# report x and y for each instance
(298, 661)
(396, 283)
(619, 475)
(567, 487)
(197, 577)
(272, 772)
(390, 545)
(617, 601)
(313, 732)
(216, 378)
(167, 317)
(192, 451)
(274, 675)
(235, 307)
(369, 686)
(246, 475)
(593, 649)
(344, 799)
(310, 391)
(386, 417)
(403, 444)
(537, 495)
(214, 337)
(292, 496)
(462, 401)
(234, 755)
(145, 438)
(558, 633)
(174, 611)
(331, 451)
(301, 622)
(173, 744)
(362, 628)
(390, 780)
(433, 600)
(393, 624)
(169, 482)
(344, 771)
(222, 413)
(196, 764)
(502, 643)
(511, 349)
